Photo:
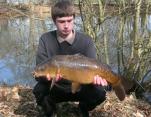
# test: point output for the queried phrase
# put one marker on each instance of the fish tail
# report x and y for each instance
(119, 91)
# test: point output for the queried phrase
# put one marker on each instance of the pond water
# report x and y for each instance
(19, 39)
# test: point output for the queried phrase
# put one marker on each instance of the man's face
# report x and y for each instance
(64, 25)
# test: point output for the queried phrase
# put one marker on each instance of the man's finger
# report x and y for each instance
(98, 80)
(105, 82)
(95, 80)
(58, 77)
(102, 82)
(48, 77)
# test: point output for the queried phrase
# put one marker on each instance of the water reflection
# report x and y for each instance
(149, 23)
(18, 40)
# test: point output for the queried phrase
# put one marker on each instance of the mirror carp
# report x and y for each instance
(79, 69)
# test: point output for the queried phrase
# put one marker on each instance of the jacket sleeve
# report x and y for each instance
(90, 50)
(41, 52)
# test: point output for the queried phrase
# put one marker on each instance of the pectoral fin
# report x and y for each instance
(52, 83)
(75, 87)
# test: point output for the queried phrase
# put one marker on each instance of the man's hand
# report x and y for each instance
(58, 77)
(99, 81)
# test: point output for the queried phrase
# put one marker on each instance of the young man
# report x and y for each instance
(65, 40)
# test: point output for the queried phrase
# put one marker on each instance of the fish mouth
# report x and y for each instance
(34, 74)
(37, 75)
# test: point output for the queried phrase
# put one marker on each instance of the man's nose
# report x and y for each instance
(66, 24)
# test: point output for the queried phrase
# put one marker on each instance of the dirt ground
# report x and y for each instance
(18, 101)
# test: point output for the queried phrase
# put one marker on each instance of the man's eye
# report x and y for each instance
(61, 21)
(69, 21)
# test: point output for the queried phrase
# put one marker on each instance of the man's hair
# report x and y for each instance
(62, 8)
